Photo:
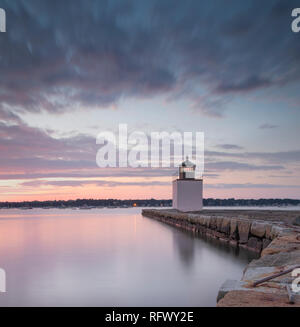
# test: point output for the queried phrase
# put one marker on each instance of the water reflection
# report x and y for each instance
(109, 258)
(184, 245)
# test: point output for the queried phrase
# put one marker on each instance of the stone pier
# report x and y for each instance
(275, 235)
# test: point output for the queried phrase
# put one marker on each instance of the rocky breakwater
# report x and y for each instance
(277, 241)
(238, 231)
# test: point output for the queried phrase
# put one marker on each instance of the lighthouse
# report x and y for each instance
(187, 190)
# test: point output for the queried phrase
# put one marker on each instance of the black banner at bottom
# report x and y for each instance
(150, 316)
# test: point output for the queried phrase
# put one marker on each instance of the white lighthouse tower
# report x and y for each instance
(187, 190)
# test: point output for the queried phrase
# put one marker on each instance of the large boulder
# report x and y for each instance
(219, 223)
(276, 231)
(258, 229)
(288, 244)
(243, 230)
(255, 244)
(207, 221)
(213, 222)
(225, 228)
(201, 221)
(266, 243)
(233, 229)
(194, 219)
(277, 259)
(228, 286)
(268, 228)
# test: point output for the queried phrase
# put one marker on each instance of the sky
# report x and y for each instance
(74, 68)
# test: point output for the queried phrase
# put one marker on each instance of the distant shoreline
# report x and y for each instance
(114, 203)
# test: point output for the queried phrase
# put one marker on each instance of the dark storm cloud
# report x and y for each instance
(249, 84)
(60, 54)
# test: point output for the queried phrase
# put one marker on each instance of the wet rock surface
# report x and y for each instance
(254, 299)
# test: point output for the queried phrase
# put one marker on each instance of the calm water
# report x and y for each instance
(109, 257)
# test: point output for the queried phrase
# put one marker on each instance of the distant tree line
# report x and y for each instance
(87, 203)
(249, 202)
(145, 203)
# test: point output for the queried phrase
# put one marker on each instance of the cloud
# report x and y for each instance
(85, 172)
(249, 84)
(34, 153)
(210, 175)
(8, 116)
(57, 56)
(249, 185)
(80, 183)
(292, 156)
(268, 126)
(32, 147)
(229, 147)
(239, 166)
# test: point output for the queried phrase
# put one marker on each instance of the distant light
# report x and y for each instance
(135, 205)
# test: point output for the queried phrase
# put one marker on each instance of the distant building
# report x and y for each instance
(187, 190)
